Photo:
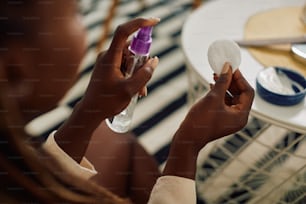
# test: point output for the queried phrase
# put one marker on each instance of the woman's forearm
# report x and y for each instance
(74, 135)
(183, 155)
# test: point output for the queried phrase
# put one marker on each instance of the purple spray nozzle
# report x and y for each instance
(141, 42)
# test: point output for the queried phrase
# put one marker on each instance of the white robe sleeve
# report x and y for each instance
(173, 190)
(85, 169)
(167, 190)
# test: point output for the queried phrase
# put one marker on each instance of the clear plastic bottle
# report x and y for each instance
(138, 55)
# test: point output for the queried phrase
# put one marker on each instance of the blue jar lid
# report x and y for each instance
(281, 86)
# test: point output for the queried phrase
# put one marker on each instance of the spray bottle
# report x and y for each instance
(138, 55)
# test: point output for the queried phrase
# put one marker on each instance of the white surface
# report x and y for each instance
(221, 19)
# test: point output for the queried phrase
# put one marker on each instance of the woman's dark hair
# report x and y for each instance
(25, 179)
(12, 23)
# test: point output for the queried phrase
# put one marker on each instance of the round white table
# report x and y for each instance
(225, 19)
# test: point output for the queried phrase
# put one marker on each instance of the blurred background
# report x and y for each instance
(239, 168)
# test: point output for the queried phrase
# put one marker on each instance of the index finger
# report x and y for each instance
(123, 31)
(246, 92)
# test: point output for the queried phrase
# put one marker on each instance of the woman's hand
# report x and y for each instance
(108, 91)
(107, 94)
(218, 114)
(214, 116)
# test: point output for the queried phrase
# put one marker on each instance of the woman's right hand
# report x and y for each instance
(109, 92)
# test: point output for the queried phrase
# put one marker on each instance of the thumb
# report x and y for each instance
(140, 78)
(225, 78)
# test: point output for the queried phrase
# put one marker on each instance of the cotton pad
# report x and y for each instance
(222, 51)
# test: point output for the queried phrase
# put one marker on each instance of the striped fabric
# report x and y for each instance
(260, 164)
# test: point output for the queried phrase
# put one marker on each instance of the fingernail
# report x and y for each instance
(226, 68)
(153, 62)
(155, 19)
(146, 92)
